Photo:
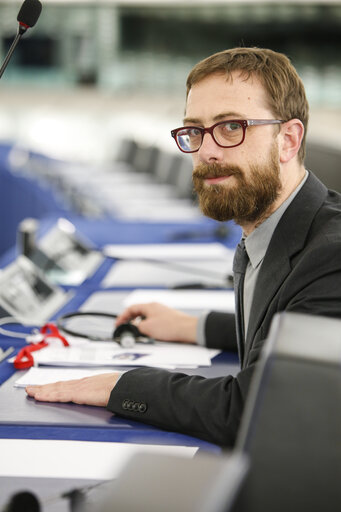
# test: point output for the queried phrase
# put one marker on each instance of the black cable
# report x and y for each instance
(61, 325)
(125, 334)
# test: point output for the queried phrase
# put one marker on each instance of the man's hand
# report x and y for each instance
(90, 390)
(161, 322)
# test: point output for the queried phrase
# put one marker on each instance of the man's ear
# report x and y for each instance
(291, 136)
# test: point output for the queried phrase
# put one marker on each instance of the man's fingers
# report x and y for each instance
(89, 390)
(131, 313)
(57, 392)
(31, 390)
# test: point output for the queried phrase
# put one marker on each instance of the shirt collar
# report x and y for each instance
(257, 242)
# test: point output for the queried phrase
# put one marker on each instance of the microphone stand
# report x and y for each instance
(21, 31)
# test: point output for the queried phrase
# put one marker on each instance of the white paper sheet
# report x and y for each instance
(169, 251)
(73, 459)
(41, 376)
(106, 354)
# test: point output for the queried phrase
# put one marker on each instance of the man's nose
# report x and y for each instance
(209, 151)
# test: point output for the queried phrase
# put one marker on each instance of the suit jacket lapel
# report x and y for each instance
(285, 243)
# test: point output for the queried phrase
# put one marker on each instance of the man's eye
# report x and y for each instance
(231, 127)
(193, 132)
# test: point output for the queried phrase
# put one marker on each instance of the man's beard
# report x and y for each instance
(248, 200)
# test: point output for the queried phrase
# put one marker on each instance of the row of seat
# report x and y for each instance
(143, 182)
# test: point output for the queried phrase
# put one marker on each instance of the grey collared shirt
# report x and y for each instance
(256, 245)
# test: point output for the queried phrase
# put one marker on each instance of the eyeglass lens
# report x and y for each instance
(226, 134)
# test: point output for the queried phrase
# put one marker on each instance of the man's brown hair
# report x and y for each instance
(285, 89)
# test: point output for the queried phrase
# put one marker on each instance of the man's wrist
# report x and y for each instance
(200, 335)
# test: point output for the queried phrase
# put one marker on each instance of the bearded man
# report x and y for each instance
(245, 125)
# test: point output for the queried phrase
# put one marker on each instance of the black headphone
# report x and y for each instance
(125, 334)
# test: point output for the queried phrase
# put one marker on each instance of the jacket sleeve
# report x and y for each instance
(220, 331)
(209, 409)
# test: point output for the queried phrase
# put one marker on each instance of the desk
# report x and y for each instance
(34, 420)
(85, 423)
(77, 422)
(102, 425)
(98, 425)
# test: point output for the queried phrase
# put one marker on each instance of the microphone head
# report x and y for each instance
(29, 12)
(24, 500)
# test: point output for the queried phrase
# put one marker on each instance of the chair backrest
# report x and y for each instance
(169, 483)
(324, 161)
(291, 427)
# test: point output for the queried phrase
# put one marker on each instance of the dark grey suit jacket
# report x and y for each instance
(301, 272)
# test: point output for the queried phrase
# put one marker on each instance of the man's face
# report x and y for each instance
(243, 182)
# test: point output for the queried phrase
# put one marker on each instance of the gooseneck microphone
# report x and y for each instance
(29, 13)
(27, 18)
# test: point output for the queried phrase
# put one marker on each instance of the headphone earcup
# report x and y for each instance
(126, 335)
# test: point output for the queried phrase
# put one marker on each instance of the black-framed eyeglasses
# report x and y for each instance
(226, 134)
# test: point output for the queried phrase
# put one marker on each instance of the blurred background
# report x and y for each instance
(95, 80)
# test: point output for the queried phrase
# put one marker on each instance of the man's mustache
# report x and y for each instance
(204, 171)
